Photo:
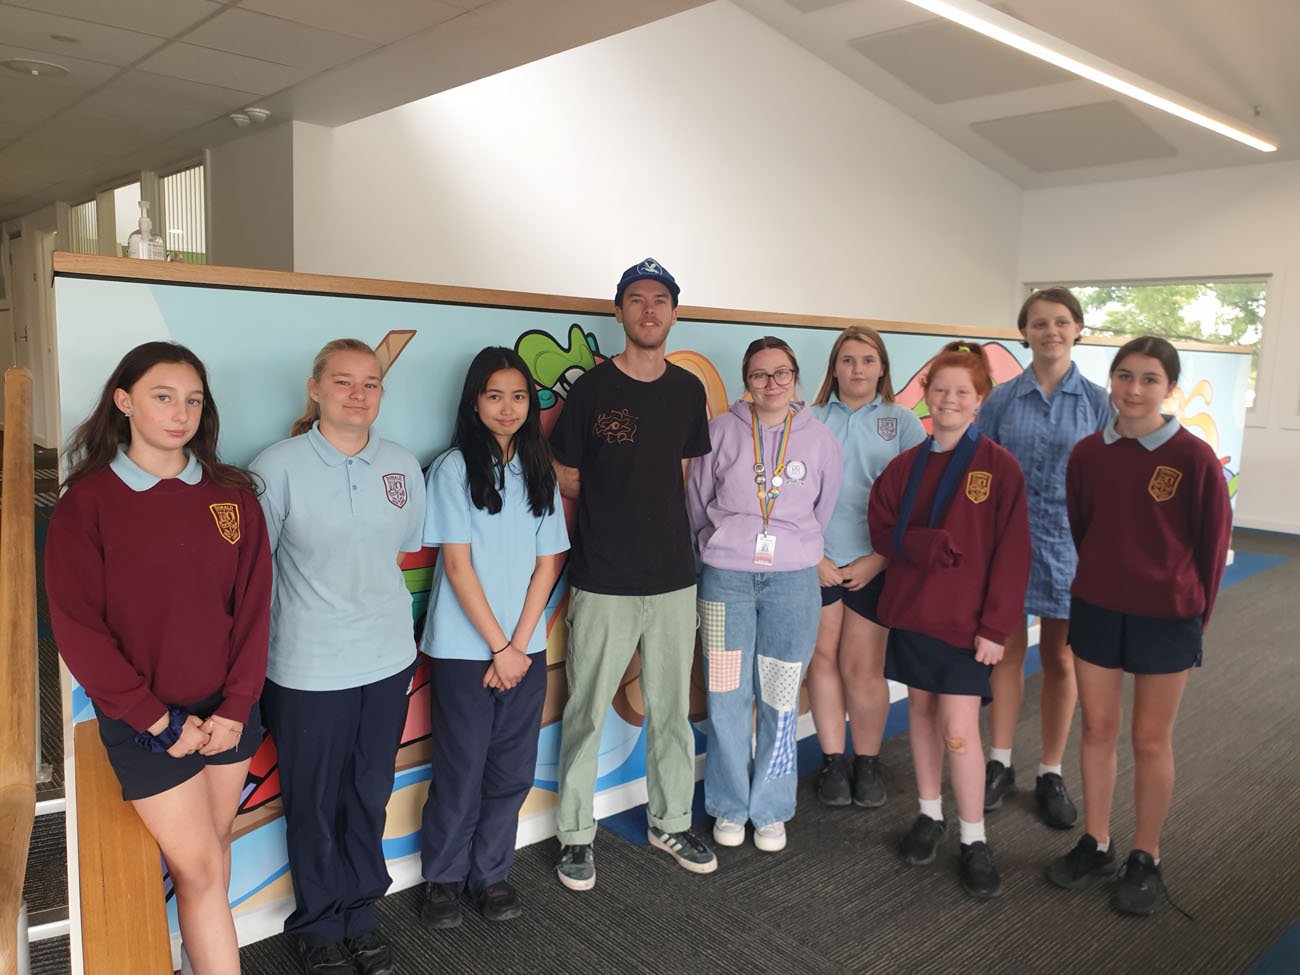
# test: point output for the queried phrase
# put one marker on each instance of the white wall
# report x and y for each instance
(760, 176)
(252, 219)
(1231, 221)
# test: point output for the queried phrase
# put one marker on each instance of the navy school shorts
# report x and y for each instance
(143, 774)
(865, 601)
(1135, 644)
(929, 664)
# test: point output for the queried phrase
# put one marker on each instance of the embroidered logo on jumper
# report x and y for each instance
(977, 486)
(796, 471)
(887, 427)
(226, 515)
(1164, 483)
(616, 426)
(395, 489)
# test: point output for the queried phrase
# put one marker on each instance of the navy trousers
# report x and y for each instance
(336, 751)
(484, 758)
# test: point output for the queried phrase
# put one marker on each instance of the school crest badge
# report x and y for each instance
(1164, 483)
(887, 427)
(978, 484)
(395, 489)
(226, 515)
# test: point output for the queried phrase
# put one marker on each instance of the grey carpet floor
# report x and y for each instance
(839, 901)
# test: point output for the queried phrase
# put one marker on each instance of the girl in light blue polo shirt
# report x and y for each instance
(847, 673)
(495, 511)
(341, 504)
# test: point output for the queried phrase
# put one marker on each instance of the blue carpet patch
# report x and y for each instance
(1283, 958)
(1247, 564)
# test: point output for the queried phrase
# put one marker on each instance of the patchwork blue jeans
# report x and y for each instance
(757, 631)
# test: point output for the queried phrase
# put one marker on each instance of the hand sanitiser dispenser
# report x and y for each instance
(144, 243)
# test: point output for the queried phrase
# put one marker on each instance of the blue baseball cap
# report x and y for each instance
(647, 270)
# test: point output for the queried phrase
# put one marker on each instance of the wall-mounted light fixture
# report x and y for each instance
(1001, 27)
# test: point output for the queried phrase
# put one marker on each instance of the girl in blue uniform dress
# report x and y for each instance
(494, 509)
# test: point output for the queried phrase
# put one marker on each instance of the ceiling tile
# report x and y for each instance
(210, 67)
(165, 18)
(945, 62)
(381, 21)
(80, 129)
(808, 6)
(1100, 134)
(82, 75)
(23, 103)
(178, 93)
(281, 41)
(28, 159)
(94, 42)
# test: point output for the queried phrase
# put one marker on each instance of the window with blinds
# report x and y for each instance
(185, 233)
(83, 229)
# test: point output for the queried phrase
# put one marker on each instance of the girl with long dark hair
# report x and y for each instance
(159, 581)
(494, 510)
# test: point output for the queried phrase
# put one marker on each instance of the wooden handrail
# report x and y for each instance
(17, 657)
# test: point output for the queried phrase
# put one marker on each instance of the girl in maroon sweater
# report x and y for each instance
(159, 580)
(950, 518)
(1149, 512)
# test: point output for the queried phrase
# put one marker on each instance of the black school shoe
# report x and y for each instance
(833, 780)
(370, 954)
(979, 877)
(1054, 805)
(1082, 866)
(999, 782)
(441, 907)
(921, 843)
(325, 959)
(868, 787)
(1140, 886)
(499, 902)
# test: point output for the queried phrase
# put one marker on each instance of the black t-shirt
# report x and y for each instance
(627, 439)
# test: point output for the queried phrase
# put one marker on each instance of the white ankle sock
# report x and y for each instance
(933, 808)
(1103, 845)
(1002, 755)
(971, 832)
(1048, 769)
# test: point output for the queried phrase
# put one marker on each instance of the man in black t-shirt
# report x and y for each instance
(621, 446)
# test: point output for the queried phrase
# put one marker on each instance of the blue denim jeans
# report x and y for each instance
(757, 631)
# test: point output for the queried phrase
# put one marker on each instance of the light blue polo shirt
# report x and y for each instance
(503, 549)
(1154, 440)
(340, 611)
(138, 479)
(870, 436)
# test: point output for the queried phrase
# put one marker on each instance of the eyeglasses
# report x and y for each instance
(783, 377)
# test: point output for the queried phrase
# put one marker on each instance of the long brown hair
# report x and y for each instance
(94, 443)
(311, 412)
(857, 333)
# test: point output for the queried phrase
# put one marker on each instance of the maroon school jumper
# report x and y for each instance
(1151, 526)
(986, 524)
(160, 597)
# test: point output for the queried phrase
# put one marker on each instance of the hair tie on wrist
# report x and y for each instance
(502, 650)
(176, 718)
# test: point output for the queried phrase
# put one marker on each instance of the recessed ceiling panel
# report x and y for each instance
(808, 6)
(945, 62)
(382, 23)
(209, 67)
(80, 39)
(273, 39)
(165, 19)
(1101, 134)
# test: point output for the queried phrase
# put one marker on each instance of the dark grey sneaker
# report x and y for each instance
(577, 867)
(979, 877)
(868, 787)
(833, 780)
(441, 906)
(499, 902)
(999, 782)
(370, 954)
(1081, 866)
(690, 852)
(325, 959)
(1140, 886)
(1054, 805)
(921, 843)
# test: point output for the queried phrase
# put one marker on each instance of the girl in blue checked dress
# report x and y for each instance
(494, 510)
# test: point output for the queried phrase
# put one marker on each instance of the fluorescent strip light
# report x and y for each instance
(1000, 27)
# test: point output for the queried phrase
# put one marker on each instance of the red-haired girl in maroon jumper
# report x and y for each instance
(1149, 512)
(950, 516)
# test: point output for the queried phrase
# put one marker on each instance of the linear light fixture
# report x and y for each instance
(1001, 27)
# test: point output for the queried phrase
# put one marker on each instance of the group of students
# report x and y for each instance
(198, 603)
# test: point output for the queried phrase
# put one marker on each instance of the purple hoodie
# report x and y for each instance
(722, 498)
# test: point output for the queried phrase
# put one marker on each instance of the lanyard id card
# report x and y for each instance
(768, 491)
(764, 549)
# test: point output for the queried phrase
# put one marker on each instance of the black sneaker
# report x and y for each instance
(1082, 865)
(441, 907)
(1054, 805)
(499, 902)
(1140, 886)
(690, 852)
(833, 780)
(979, 877)
(325, 959)
(868, 787)
(577, 867)
(999, 782)
(921, 843)
(370, 954)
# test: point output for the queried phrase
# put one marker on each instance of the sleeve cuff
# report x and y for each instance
(235, 707)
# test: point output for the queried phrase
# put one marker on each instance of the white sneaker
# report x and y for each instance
(727, 833)
(770, 838)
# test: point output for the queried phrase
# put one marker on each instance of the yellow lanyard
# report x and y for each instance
(767, 495)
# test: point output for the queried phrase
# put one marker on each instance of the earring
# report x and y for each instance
(127, 413)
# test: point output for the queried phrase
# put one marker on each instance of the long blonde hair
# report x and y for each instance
(311, 412)
(857, 333)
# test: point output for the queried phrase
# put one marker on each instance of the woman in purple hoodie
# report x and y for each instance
(758, 504)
